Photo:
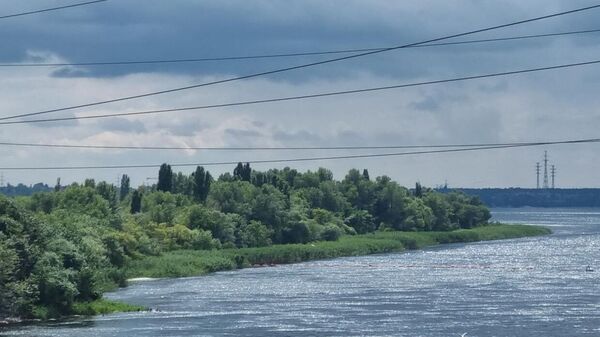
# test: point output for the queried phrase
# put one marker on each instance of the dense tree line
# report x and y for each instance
(23, 190)
(57, 248)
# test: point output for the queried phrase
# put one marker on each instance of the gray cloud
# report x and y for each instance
(240, 133)
(181, 29)
(429, 103)
(122, 125)
(553, 105)
(297, 137)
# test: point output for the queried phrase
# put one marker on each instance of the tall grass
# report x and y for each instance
(190, 263)
(103, 306)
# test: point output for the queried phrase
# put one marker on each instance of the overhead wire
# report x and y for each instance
(257, 148)
(247, 148)
(305, 159)
(51, 9)
(302, 66)
(285, 55)
(303, 97)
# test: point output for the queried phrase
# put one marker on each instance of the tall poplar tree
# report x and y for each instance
(202, 181)
(136, 202)
(165, 178)
(125, 185)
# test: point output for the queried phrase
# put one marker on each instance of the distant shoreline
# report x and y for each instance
(532, 197)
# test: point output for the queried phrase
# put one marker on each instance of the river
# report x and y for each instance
(524, 287)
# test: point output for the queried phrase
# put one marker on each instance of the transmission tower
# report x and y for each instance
(546, 169)
(553, 172)
(537, 172)
(1, 179)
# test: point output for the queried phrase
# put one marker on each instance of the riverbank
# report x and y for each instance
(184, 263)
(98, 307)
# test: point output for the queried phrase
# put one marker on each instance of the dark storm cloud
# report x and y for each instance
(157, 29)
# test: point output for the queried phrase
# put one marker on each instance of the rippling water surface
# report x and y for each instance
(524, 287)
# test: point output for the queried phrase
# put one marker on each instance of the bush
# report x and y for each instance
(361, 221)
(255, 234)
(330, 233)
(297, 232)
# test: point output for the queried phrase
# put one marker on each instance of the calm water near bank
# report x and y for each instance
(524, 287)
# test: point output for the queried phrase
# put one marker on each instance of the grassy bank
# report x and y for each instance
(97, 307)
(103, 306)
(191, 263)
(184, 263)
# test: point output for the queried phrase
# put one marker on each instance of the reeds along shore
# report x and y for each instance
(184, 263)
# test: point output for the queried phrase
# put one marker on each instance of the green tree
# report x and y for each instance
(296, 232)
(182, 184)
(418, 190)
(365, 174)
(418, 217)
(91, 183)
(255, 234)
(56, 285)
(42, 202)
(467, 211)
(222, 226)
(8, 266)
(57, 187)
(362, 221)
(243, 172)
(390, 202)
(330, 233)
(161, 207)
(165, 178)
(441, 210)
(270, 208)
(108, 192)
(202, 182)
(333, 199)
(233, 197)
(125, 187)
(136, 202)
(88, 201)
(359, 190)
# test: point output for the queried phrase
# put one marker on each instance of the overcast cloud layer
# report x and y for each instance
(535, 107)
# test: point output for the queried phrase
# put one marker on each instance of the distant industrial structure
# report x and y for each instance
(546, 181)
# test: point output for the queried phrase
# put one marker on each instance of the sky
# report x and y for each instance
(545, 106)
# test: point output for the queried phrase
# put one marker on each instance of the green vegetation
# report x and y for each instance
(95, 307)
(184, 263)
(60, 250)
(103, 307)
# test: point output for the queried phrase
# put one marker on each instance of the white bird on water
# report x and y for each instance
(463, 335)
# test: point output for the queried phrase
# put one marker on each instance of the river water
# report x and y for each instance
(524, 287)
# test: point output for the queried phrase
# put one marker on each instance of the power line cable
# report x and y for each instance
(302, 97)
(51, 9)
(260, 148)
(307, 159)
(307, 65)
(284, 55)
